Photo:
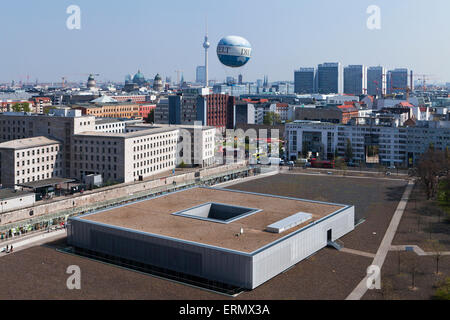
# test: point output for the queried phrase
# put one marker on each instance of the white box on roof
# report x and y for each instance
(289, 222)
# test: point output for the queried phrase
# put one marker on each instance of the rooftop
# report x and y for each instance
(161, 216)
(140, 133)
(45, 183)
(171, 126)
(6, 194)
(28, 143)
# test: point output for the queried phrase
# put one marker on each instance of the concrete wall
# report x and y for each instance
(283, 255)
(176, 255)
(17, 203)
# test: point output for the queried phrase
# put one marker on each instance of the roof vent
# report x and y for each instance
(289, 222)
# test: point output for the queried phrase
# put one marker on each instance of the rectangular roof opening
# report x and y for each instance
(217, 212)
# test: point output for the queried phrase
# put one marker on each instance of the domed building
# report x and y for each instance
(91, 84)
(139, 78)
(157, 83)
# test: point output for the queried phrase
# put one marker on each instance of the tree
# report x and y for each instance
(150, 117)
(436, 248)
(21, 107)
(431, 166)
(412, 262)
(349, 151)
(271, 118)
(341, 165)
(387, 290)
(443, 291)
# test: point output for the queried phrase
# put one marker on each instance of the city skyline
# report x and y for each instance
(172, 39)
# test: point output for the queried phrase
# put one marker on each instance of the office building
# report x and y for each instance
(397, 81)
(329, 78)
(355, 80)
(29, 160)
(376, 81)
(304, 81)
(200, 75)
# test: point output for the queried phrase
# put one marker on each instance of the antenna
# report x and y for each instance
(206, 46)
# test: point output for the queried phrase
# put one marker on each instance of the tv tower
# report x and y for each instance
(206, 45)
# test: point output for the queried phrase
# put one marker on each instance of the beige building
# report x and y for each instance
(195, 146)
(61, 125)
(121, 151)
(125, 157)
(30, 159)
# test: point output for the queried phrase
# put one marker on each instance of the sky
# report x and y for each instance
(119, 37)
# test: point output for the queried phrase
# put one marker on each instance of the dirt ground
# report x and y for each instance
(40, 272)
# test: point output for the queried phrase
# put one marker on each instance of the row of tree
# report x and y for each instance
(433, 170)
(21, 107)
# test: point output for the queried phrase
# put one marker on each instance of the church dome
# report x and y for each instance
(139, 78)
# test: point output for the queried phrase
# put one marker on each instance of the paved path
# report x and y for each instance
(242, 180)
(357, 252)
(318, 174)
(22, 244)
(385, 246)
(418, 250)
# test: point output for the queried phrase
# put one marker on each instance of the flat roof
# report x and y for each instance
(45, 183)
(173, 126)
(156, 216)
(28, 143)
(99, 121)
(6, 194)
(135, 134)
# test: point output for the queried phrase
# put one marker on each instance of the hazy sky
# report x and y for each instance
(119, 37)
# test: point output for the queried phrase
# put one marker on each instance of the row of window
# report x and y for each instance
(38, 160)
(37, 151)
(37, 169)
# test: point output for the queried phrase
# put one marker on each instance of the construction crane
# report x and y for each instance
(424, 78)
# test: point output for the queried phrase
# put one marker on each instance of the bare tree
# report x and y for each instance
(413, 263)
(432, 165)
(387, 290)
(437, 248)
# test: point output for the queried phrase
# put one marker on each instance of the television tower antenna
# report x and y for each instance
(206, 46)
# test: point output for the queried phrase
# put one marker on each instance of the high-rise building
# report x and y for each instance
(397, 81)
(304, 80)
(230, 80)
(355, 80)
(329, 78)
(376, 81)
(201, 75)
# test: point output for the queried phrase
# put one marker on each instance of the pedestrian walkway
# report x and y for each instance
(21, 244)
(385, 246)
(358, 253)
(418, 250)
(242, 180)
